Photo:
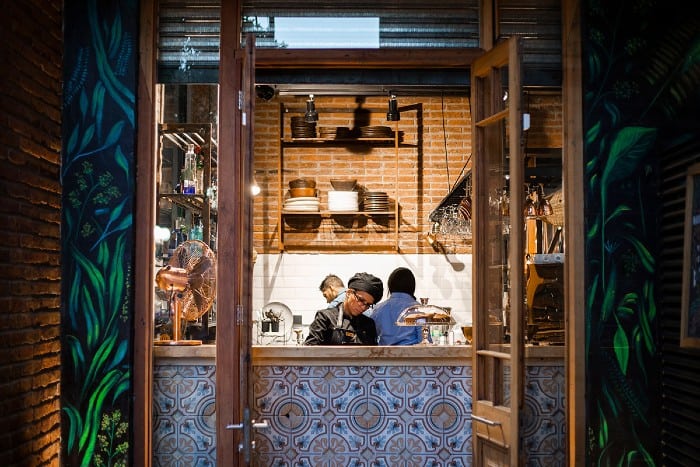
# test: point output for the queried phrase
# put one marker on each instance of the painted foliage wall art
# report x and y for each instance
(97, 176)
(641, 63)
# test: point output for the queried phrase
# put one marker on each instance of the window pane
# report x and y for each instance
(409, 23)
(321, 33)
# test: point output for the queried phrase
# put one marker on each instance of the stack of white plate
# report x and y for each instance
(343, 201)
(302, 203)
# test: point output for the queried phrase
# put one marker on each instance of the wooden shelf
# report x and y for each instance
(334, 141)
(176, 136)
(332, 222)
(328, 214)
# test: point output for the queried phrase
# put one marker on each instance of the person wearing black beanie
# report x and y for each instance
(346, 323)
(402, 287)
(367, 283)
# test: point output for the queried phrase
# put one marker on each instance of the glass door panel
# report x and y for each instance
(498, 255)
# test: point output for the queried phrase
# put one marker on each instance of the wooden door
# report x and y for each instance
(235, 428)
(498, 261)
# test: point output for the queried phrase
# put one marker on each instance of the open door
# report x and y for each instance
(235, 428)
(498, 259)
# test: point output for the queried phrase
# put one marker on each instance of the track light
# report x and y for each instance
(311, 115)
(393, 114)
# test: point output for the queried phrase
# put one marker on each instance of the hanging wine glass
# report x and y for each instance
(544, 207)
(531, 202)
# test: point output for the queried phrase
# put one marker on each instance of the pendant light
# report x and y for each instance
(311, 115)
(393, 114)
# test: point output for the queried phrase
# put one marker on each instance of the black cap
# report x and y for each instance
(367, 283)
(402, 280)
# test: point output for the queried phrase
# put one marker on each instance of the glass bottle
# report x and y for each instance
(197, 231)
(189, 171)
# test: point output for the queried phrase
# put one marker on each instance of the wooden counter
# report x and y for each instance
(415, 355)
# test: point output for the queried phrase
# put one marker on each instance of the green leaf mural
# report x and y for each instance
(637, 66)
(97, 230)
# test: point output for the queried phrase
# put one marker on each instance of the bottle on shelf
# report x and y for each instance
(189, 171)
(199, 176)
(178, 236)
(197, 232)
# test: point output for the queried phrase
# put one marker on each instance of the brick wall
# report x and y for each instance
(437, 149)
(30, 96)
(438, 144)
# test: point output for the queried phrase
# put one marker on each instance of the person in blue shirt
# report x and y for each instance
(333, 290)
(402, 286)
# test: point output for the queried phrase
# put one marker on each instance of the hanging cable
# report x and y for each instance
(444, 140)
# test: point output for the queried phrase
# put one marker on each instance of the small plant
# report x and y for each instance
(271, 323)
(272, 316)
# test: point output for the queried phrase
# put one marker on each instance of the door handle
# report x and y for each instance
(247, 425)
(488, 422)
(256, 425)
(260, 425)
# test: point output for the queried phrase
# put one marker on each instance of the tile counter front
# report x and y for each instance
(369, 406)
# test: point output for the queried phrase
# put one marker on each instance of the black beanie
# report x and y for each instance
(402, 280)
(367, 283)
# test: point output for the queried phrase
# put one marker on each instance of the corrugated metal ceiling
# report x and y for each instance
(188, 45)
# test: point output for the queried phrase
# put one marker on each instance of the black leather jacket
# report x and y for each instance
(324, 329)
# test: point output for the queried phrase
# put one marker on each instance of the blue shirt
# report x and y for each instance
(340, 298)
(385, 315)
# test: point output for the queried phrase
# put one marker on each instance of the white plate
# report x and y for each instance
(302, 198)
(342, 205)
(303, 203)
(342, 195)
(301, 208)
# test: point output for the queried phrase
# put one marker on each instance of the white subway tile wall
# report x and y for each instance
(294, 279)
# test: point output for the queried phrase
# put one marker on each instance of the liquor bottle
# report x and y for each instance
(189, 171)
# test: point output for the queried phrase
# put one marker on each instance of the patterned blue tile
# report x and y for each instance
(184, 415)
(353, 416)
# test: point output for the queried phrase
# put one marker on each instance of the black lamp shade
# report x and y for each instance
(393, 114)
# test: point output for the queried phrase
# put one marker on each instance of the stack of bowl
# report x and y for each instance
(302, 195)
(343, 197)
(306, 185)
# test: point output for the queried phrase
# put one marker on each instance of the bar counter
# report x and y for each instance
(359, 404)
(416, 355)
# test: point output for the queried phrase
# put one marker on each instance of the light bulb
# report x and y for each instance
(255, 188)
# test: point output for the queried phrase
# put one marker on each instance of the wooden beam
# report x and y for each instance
(144, 243)
(574, 234)
(365, 58)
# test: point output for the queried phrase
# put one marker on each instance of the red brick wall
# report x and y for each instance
(30, 98)
(439, 145)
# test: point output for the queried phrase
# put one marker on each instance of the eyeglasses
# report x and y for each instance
(362, 301)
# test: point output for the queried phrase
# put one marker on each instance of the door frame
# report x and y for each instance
(145, 201)
(234, 242)
(495, 417)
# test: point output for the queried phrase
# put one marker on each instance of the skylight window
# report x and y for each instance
(327, 33)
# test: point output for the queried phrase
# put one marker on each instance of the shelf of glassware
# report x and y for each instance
(202, 204)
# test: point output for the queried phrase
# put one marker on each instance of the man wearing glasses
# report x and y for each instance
(346, 323)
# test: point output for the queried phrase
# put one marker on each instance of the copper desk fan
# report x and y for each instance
(190, 279)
